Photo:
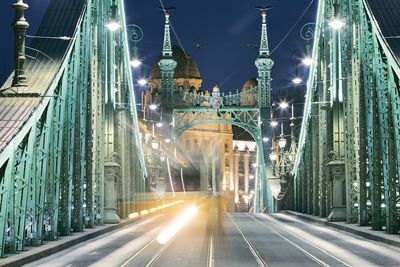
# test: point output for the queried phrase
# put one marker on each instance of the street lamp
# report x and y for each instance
(113, 25)
(284, 105)
(297, 80)
(307, 61)
(336, 23)
(142, 81)
(153, 107)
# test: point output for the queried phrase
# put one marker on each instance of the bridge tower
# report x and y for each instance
(167, 66)
(264, 64)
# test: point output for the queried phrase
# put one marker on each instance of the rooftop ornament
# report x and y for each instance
(20, 25)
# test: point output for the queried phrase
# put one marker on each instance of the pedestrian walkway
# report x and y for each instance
(50, 247)
(364, 231)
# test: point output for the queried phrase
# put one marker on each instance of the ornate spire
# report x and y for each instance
(20, 25)
(264, 48)
(167, 66)
(167, 47)
(264, 64)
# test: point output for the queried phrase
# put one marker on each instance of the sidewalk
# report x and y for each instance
(50, 247)
(364, 231)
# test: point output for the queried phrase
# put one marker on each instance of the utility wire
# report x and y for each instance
(293, 27)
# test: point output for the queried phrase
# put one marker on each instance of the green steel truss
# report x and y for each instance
(250, 110)
(52, 172)
(247, 118)
(351, 127)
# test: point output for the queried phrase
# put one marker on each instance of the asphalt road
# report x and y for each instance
(210, 238)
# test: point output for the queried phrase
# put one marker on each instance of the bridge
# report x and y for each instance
(75, 159)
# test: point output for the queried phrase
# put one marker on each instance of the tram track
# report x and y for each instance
(263, 221)
(249, 244)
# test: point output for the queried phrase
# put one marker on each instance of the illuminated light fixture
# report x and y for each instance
(272, 156)
(251, 177)
(368, 184)
(168, 233)
(152, 210)
(297, 80)
(154, 145)
(113, 25)
(142, 82)
(133, 215)
(153, 106)
(336, 23)
(144, 212)
(307, 61)
(254, 165)
(136, 62)
(159, 124)
(284, 105)
(274, 123)
(265, 139)
(383, 205)
(167, 140)
(282, 142)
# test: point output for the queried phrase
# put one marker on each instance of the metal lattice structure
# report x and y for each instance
(347, 166)
(191, 109)
(70, 152)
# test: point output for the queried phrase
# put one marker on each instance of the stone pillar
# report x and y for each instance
(338, 190)
(236, 173)
(111, 170)
(246, 170)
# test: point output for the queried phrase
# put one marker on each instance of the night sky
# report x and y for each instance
(226, 30)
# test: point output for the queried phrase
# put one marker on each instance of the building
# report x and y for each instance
(220, 160)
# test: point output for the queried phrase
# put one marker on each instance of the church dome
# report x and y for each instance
(185, 68)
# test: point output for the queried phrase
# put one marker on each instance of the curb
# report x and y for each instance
(367, 235)
(64, 245)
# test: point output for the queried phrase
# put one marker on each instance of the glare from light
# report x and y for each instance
(153, 106)
(168, 233)
(307, 61)
(113, 26)
(282, 142)
(297, 80)
(274, 123)
(144, 212)
(154, 145)
(133, 215)
(265, 139)
(159, 124)
(142, 82)
(136, 62)
(284, 105)
(336, 23)
(152, 210)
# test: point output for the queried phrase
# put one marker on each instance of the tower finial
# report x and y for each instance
(264, 48)
(20, 25)
(167, 46)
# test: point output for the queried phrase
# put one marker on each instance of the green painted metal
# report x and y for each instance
(52, 170)
(357, 72)
(194, 109)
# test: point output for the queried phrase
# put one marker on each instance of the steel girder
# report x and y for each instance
(247, 118)
(370, 118)
(52, 171)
